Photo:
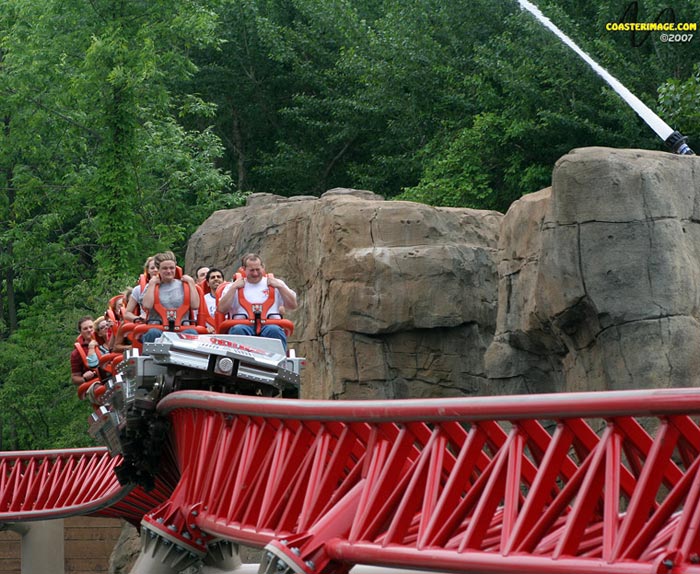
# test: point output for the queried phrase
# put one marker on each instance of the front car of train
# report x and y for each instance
(126, 421)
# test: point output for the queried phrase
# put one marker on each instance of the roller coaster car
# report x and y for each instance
(126, 422)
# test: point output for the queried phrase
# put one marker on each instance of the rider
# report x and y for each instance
(133, 309)
(80, 372)
(200, 274)
(100, 340)
(207, 306)
(259, 290)
(170, 296)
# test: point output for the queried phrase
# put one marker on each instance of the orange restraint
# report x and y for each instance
(171, 319)
(115, 309)
(256, 313)
(203, 316)
(98, 389)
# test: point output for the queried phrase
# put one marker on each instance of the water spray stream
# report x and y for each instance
(671, 138)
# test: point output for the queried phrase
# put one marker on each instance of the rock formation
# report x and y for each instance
(397, 299)
(599, 277)
(596, 282)
(125, 551)
(592, 284)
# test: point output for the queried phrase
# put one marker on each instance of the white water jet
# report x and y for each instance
(662, 129)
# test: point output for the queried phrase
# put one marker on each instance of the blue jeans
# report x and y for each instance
(269, 331)
(152, 334)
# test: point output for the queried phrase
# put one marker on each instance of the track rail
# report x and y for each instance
(604, 482)
(41, 485)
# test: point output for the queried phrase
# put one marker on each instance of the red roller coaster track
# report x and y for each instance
(604, 482)
(40, 485)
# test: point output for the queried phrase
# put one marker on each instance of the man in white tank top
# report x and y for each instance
(256, 286)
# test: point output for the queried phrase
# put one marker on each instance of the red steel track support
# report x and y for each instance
(40, 485)
(604, 482)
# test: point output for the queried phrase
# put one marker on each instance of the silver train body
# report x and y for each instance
(127, 423)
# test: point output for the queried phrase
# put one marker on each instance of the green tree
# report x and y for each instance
(394, 96)
(98, 170)
(98, 173)
(278, 59)
(679, 102)
(536, 101)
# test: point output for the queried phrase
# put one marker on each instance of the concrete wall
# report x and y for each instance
(88, 545)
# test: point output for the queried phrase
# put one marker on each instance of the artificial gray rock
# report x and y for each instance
(599, 277)
(126, 550)
(397, 299)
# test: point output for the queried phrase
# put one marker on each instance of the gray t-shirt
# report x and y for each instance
(170, 295)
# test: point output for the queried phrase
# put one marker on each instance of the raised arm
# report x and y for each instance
(288, 296)
(149, 297)
(226, 299)
(129, 314)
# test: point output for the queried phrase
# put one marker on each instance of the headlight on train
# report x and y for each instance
(224, 366)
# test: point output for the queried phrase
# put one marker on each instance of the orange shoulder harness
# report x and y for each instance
(172, 319)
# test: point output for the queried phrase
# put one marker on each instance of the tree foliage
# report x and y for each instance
(125, 124)
(680, 102)
(536, 101)
(98, 171)
(449, 103)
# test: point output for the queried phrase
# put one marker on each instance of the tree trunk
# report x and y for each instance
(237, 139)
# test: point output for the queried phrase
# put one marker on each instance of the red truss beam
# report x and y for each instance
(41, 485)
(604, 482)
